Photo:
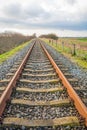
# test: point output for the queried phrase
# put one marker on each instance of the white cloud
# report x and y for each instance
(45, 14)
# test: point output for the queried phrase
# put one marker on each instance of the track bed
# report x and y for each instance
(38, 98)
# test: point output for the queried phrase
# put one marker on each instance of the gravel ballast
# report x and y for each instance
(7, 65)
(33, 112)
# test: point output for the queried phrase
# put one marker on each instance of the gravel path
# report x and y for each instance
(74, 69)
(40, 112)
(5, 66)
(41, 96)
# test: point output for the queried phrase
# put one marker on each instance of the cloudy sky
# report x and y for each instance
(63, 17)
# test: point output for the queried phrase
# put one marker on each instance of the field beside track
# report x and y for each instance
(73, 48)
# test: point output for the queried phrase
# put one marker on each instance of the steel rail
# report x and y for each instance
(80, 106)
(5, 97)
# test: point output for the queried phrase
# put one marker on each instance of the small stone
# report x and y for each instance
(23, 128)
(67, 128)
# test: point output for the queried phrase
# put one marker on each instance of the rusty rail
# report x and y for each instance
(6, 94)
(80, 106)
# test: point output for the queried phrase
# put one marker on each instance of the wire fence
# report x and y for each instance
(75, 49)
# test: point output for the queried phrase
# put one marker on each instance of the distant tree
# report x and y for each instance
(34, 35)
(50, 36)
(9, 40)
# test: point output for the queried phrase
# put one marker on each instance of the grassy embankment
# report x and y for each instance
(10, 53)
(81, 56)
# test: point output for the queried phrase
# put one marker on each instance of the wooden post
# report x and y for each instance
(56, 42)
(74, 49)
(49, 41)
(63, 45)
(52, 41)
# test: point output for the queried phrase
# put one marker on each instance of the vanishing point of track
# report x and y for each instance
(37, 94)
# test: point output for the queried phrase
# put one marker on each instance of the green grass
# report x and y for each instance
(8, 54)
(83, 39)
(80, 58)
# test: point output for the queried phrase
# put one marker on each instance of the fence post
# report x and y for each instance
(63, 45)
(56, 42)
(49, 40)
(74, 49)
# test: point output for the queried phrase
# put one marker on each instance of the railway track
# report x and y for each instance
(36, 95)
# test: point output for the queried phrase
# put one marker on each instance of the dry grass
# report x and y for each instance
(67, 49)
(10, 41)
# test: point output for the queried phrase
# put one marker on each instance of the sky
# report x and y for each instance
(63, 17)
